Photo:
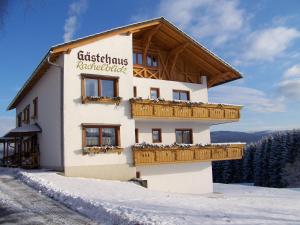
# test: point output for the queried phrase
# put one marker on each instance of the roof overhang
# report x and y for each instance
(24, 131)
(229, 75)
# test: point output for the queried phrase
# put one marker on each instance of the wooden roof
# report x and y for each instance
(170, 36)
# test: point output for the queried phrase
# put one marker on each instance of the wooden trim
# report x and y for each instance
(35, 107)
(134, 92)
(102, 77)
(82, 90)
(155, 89)
(185, 129)
(118, 136)
(116, 87)
(160, 135)
(147, 40)
(83, 137)
(136, 133)
(100, 135)
(19, 119)
(26, 114)
(90, 39)
(156, 155)
(99, 79)
(100, 127)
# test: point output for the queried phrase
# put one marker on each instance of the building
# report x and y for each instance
(112, 105)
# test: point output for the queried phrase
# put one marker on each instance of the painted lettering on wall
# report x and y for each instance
(98, 62)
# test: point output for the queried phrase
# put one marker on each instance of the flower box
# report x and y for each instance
(101, 99)
(101, 149)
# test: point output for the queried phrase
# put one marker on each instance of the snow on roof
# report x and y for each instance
(20, 131)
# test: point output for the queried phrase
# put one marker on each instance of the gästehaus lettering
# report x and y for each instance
(98, 62)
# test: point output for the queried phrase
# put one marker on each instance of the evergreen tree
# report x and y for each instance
(291, 174)
(274, 165)
(248, 163)
(274, 161)
(228, 172)
(258, 161)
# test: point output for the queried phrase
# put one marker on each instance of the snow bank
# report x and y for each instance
(115, 202)
(103, 212)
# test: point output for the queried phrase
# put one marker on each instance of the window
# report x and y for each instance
(92, 136)
(181, 95)
(91, 87)
(134, 92)
(108, 136)
(184, 136)
(154, 93)
(137, 58)
(99, 86)
(136, 131)
(26, 114)
(107, 88)
(152, 61)
(101, 135)
(19, 119)
(35, 107)
(156, 135)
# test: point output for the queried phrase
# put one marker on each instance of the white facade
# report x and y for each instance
(193, 178)
(198, 92)
(48, 92)
(181, 177)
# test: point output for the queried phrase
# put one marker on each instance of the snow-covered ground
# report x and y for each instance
(114, 202)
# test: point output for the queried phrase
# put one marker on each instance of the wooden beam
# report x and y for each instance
(174, 54)
(147, 41)
(83, 41)
(217, 78)
(164, 66)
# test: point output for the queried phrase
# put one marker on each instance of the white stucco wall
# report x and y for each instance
(198, 92)
(47, 89)
(76, 113)
(194, 178)
(201, 132)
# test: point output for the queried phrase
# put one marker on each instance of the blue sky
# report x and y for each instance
(259, 38)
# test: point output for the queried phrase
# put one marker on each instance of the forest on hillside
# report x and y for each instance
(273, 161)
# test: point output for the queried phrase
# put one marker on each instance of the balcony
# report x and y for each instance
(160, 109)
(152, 155)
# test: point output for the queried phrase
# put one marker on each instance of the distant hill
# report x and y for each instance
(235, 136)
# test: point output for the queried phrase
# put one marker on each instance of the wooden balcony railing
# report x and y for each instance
(146, 72)
(158, 155)
(151, 109)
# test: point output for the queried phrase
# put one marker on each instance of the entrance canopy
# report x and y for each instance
(24, 131)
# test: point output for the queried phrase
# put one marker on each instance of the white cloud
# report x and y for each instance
(289, 86)
(216, 19)
(252, 99)
(269, 43)
(290, 89)
(71, 23)
(293, 71)
(6, 123)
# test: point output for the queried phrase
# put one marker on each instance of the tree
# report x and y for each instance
(248, 163)
(291, 173)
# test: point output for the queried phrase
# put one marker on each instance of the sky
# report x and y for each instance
(261, 39)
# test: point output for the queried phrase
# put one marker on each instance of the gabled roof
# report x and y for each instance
(229, 73)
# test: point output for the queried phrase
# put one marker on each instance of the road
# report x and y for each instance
(20, 204)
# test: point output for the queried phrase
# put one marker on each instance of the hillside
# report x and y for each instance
(235, 136)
